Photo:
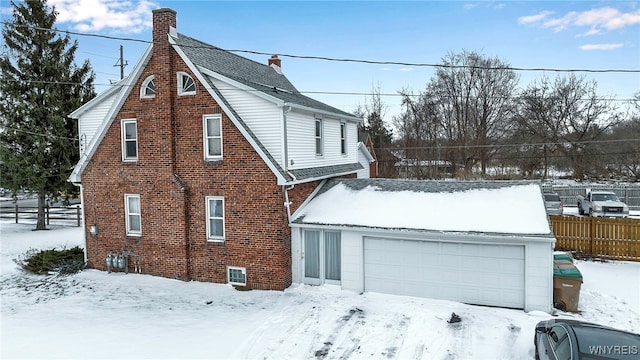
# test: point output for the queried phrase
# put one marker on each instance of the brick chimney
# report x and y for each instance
(163, 20)
(275, 61)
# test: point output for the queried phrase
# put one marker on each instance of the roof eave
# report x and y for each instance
(125, 89)
(281, 180)
(324, 112)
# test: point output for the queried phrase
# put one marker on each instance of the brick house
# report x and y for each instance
(192, 165)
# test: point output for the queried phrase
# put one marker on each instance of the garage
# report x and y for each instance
(476, 242)
(483, 274)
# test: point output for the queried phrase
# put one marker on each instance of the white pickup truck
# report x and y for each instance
(602, 204)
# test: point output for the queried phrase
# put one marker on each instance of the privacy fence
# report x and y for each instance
(629, 194)
(615, 239)
(67, 214)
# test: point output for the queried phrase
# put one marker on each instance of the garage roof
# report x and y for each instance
(505, 207)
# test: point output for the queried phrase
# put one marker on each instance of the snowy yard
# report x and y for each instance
(96, 315)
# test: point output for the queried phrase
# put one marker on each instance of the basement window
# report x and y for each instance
(186, 85)
(237, 275)
(148, 88)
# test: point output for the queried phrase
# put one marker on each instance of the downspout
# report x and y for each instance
(285, 110)
(185, 194)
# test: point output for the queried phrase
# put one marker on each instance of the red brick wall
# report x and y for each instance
(173, 242)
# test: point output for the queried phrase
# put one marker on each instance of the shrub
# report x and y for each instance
(43, 262)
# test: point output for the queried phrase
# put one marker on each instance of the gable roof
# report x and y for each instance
(204, 59)
(260, 77)
(501, 207)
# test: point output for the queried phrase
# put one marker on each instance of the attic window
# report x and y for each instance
(148, 88)
(186, 85)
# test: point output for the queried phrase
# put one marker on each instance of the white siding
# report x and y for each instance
(362, 159)
(301, 141)
(90, 121)
(263, 117)
(538, 259)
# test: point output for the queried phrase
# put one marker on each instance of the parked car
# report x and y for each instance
(564, 339)
(602, 204)
(552, 203)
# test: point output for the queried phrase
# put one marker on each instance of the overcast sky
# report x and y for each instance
(597, 35)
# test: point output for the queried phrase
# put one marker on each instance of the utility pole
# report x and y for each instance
(121, 63)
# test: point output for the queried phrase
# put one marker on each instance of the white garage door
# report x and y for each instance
(470, 273)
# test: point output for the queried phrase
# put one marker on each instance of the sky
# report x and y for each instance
(563, 35)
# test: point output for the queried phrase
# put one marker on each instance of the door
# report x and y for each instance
(321, 257)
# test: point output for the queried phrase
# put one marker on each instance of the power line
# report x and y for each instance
(40, 134)
(436, 147)
(325, 58)
(341, 93)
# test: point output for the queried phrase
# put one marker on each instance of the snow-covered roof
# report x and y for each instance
(504, 207)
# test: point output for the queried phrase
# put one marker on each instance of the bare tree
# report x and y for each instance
(419, 129)
(474, 98)
(381, 135)
(569, 118)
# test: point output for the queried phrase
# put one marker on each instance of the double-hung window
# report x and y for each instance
(133, 216)
(318, 137)
(343, 138)
(129, 140)
(212, 129)
(215, 218)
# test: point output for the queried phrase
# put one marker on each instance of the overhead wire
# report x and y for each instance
(326, 58)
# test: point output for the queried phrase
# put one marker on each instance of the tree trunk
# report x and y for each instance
(42, 223)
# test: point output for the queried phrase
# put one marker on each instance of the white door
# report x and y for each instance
(480, 274)
(321, 261)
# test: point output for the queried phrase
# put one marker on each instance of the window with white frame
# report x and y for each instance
(343, 138)
(319, 136)
(133, 216)
(148, 88)
(212, 129)
(237, 275)
(215, 218)
(186, 85)
(129, 140)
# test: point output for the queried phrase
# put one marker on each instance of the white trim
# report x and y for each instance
(240, 86)
(281, 180)
(205, 137)
(344, 149)
(244, 273)
(145, 85)
(328, 113)
(124, 89)
(181, 84)
(123, 140)
(210, 237)
(127, 213)
(316, 137)
(363, 148)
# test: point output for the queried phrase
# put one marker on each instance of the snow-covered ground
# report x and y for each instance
(96, 315)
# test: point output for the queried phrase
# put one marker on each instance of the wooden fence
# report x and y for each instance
(69, 213)
(615, 239)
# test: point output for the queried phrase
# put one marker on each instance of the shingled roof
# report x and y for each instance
(258, 76)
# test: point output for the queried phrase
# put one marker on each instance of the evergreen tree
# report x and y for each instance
(40, 84)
